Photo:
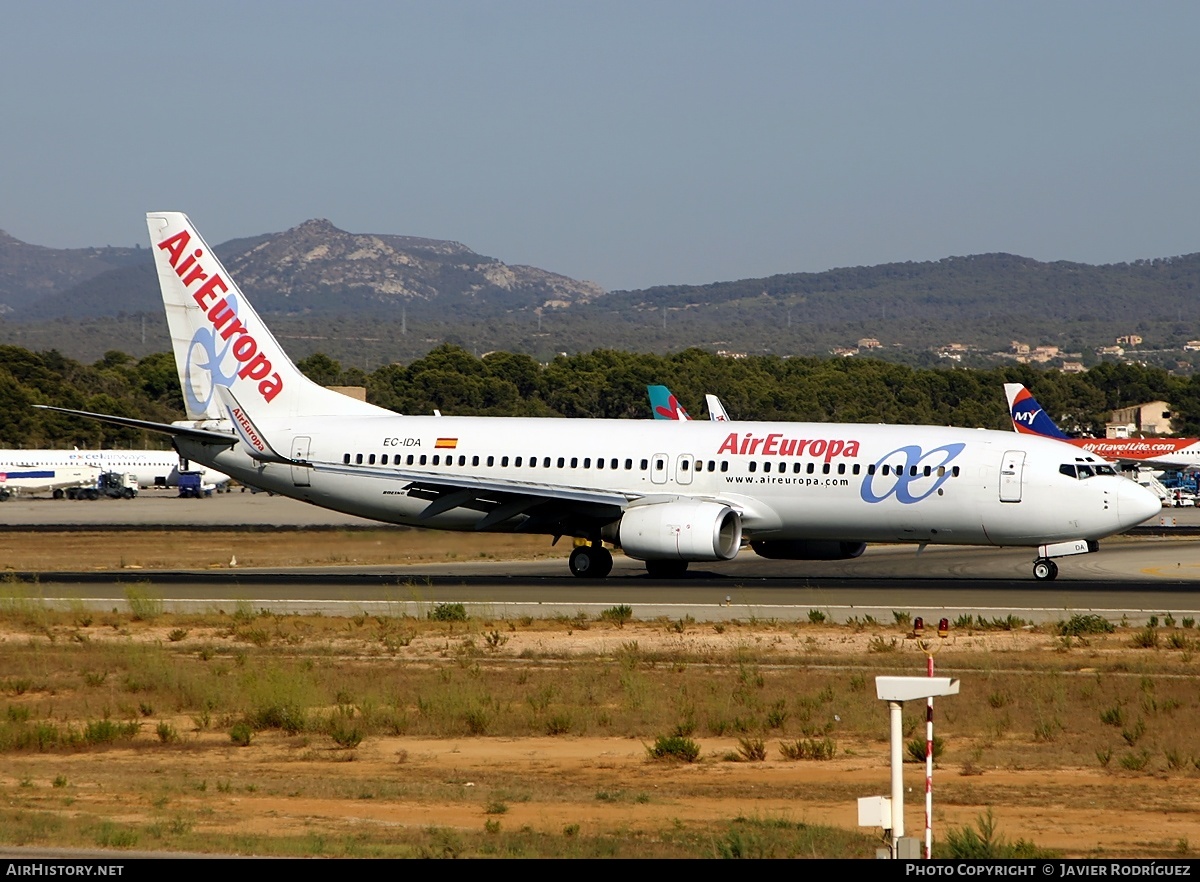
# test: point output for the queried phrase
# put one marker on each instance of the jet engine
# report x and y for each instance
(808, 549)
(681, 531)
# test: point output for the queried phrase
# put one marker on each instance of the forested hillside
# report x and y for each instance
(601, 383)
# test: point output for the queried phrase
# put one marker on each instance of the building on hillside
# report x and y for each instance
(1073, 367)
(869, 343)
(1151, 418)
(1129, 340)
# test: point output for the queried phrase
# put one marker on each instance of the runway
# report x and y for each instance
(1132, 577)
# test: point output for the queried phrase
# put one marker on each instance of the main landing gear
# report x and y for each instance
(590, 562)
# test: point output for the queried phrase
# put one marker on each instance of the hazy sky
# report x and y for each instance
(627, 143)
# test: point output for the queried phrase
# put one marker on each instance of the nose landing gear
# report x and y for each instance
(1045, 570)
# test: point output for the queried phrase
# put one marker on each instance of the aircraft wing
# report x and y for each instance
(496, 499)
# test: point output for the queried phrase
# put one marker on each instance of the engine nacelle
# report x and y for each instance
(808, 549)
(681, 531)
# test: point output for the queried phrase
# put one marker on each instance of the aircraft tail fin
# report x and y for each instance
(1028, 417)
(664, 405)
(220, 341)
(716, 410)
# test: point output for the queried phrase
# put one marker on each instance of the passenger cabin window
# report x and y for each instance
(358, 459)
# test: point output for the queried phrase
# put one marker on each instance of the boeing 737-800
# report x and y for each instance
(665, 493)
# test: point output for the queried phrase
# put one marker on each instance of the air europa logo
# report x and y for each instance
(916, 473)
(222, 314)
(777, 445)
(247, 430)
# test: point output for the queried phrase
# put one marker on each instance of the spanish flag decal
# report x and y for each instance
(445, 442)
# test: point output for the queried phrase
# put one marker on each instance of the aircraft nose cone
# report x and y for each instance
(1136, 504)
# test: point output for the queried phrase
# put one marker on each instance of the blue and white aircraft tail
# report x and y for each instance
(220, 341)
(1028, 417)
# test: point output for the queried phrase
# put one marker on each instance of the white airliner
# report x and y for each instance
(30, 477)
(153, 468)
(666, 493)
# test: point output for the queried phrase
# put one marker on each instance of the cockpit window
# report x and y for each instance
(1105, 470)
(1067, 469)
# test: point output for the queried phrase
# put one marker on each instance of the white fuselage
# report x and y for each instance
(153, 468)
(787, 480)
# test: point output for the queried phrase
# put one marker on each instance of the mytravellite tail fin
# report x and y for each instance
(1028, 417)
(664, 405)
(219, 340)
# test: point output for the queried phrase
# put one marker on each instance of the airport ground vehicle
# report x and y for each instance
(117, 485)
(192, 486)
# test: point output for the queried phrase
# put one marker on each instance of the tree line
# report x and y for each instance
(602, 383)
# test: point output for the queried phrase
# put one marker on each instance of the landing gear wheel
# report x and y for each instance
(666, 569)
(1045, 570)
(590, 562)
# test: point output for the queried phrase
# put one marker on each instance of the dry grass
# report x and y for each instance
(382, 735)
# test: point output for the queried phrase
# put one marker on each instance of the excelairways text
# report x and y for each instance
(255, 365)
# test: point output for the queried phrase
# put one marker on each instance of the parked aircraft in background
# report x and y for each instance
(668, 494)
(153, 468)
(31, 477)
(1028, 418)
(665, 406)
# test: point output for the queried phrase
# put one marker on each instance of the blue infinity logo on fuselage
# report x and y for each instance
(907, 480)
(206, 373)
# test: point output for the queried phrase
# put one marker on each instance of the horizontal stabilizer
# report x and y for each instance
(204, 435)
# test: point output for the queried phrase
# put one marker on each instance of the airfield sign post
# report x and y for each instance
(895, 691)
(929, 647)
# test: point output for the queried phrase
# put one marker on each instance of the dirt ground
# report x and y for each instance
(300, 794)
(204, 792)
